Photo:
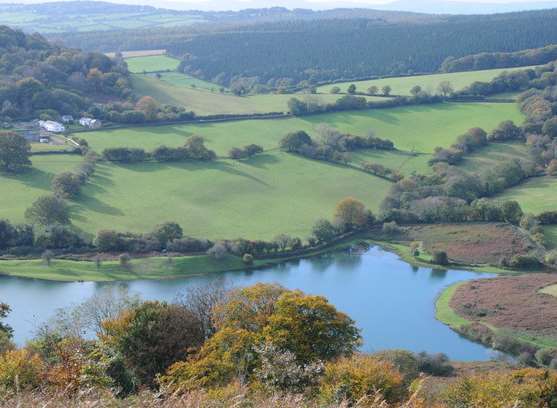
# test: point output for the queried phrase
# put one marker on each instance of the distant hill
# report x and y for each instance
(456, 7)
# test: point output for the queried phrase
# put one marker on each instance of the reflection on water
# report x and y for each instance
(390, 300)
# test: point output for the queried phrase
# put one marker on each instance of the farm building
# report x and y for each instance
(90, 123)
(51, 126)
(67, 118)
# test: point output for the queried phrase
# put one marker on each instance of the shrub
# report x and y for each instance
(20, 366)
(324, 230)
(405, 362)
(248, 259)
(524, 262)
(186, 245)
(151, 337)
(354, 379)
(391, 228)
(167, 232)
(125, 155)
(218, 251)
(527, 387)
(124, 260)
(280, 370)
(435, 364)
(47, 257)
(66, 185)
(60, 237)
(440, 258)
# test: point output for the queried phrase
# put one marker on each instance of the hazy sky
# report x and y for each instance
(450, 6)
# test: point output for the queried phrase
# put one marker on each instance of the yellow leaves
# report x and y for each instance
(353, 379)
(248, 308)
(527, 387)
(21, 367)
(351, 212)
(229, 354)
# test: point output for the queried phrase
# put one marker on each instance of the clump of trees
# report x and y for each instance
(238, 153)
(333, 145)
(382, 171)
(266, 324)
(193, 149)
(474, 139)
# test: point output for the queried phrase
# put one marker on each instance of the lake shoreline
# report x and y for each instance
(166, 268)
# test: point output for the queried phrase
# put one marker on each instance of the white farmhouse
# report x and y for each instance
(51, 126)
(90, 123)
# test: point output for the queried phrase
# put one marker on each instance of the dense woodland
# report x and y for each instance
(289, 52)
(39, 78)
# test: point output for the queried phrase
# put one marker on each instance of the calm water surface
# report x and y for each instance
(391, 301)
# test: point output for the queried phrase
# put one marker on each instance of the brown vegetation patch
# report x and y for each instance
(484, 243)
(513, 303)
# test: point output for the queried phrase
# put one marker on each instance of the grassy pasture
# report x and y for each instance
(418, 128)
(495, 153)
(178, 79)
(430, 83)
(258, 198)
(144, 268)
(403, 162)
(536, 195)
(205, 99)
(18, 192)
(152, 63)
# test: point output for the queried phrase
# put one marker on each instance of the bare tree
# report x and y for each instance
(201, 299)
(86, 318)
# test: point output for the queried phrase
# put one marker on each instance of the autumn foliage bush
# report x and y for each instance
(351, 379)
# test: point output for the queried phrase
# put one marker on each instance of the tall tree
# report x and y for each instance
(14, 152)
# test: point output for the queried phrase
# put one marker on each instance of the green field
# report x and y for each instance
(144, 268)
(415, 128)
(536, 195)
(152, 64)
(493, 154)
(403, 162)
(258, 198)
(35, 21)
(403, 85)
(205, 99)
(178, 79)
(18, 192)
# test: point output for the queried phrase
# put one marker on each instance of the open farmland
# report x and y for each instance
(536, 195)
(205, 98)
(152, 63)
(429, 83)
(73, 21)
(18, 192)
(415, 128)
(257, 198)
(493, 154)
(403, 162)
